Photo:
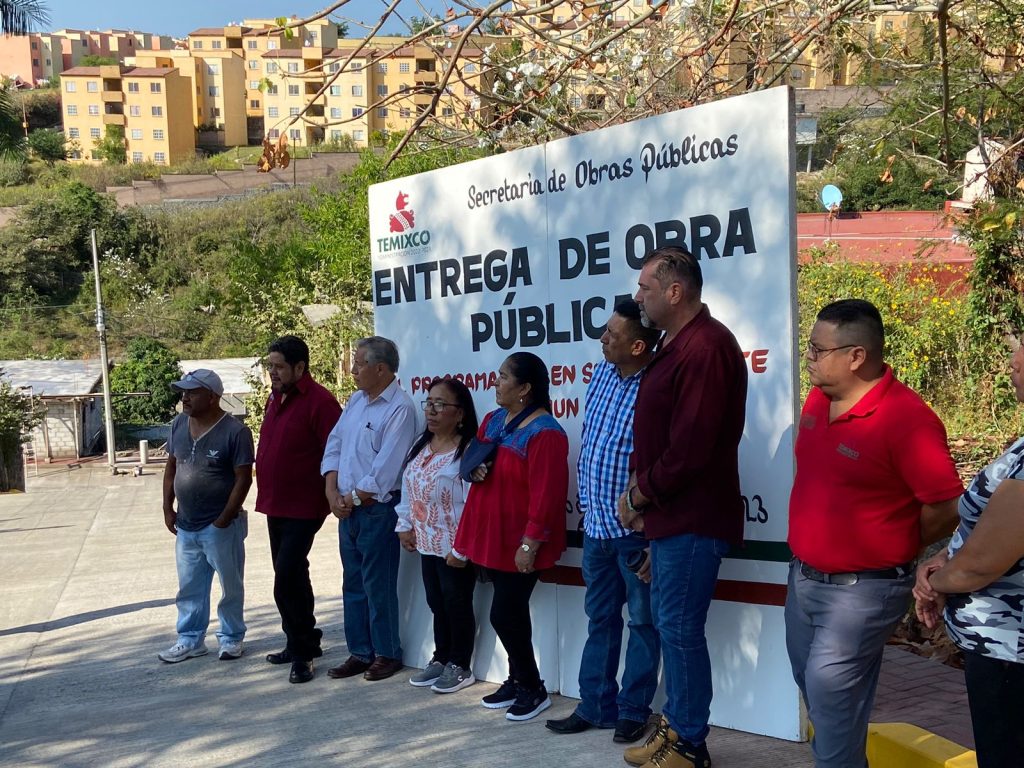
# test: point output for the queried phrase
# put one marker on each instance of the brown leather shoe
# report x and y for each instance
(382, 668)
(348, 668)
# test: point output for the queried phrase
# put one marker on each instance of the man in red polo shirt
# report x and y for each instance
(290, 492)
(874, 482)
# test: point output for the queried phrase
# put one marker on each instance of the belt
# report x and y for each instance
(847, 579)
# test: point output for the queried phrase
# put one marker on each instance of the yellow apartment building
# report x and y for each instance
(151, 104)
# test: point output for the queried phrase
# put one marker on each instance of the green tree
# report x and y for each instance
(48, 145)
(18, 415)
(342, 28)
(112, 148)
(148, 366)
(97, 61)
(12, 135)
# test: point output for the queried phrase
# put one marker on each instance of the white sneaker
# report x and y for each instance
(231, 649)
(179, 652)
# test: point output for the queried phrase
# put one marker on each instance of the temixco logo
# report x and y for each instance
(402, 225)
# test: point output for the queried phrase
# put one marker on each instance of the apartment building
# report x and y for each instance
(151, 104)
(33, 59)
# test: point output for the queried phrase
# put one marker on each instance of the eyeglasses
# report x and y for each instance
(814, 352)
(436, 406)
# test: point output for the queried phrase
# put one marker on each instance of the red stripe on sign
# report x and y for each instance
(731, 591)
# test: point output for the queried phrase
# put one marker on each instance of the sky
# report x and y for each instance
(179, 17)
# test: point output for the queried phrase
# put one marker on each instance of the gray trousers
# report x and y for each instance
(835, 636)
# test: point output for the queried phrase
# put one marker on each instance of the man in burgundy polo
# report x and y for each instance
(874, 482)
(685, 492)
(298, 418)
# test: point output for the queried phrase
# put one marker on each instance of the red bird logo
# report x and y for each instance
(402, 220)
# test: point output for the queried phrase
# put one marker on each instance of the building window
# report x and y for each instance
(888, 25)
(159, 157)
(135, 110)
(92, 86)
(293, 90)
(382, 67)
(332, 68)
(75, 155)
(357, 111)
(271, 67)
(356, 66)
(271, 111)
(254, 64)
(154, 87)
(251, 44)
(94, 133)
(293, 66)
(382, 90)
(254, 103)
(215, 44)
(447, 112)
(469, 69)
(271, 45)
(295, 134)
(214, 90)
(357, 90)
(272, 90)
(796, 74)
(467, 90)
(254, 85)
(215, 112)
(336, 135)
(35, 46)
(335, 113)
(404, 112)
(403, 67)
(157, 111)
(70, 86)
(136, 157)
(403, 87)
(382, 112)
(335, 90)
(293, 111)
(273, 133)
(136, 133)
(94, 109)
(213, 69)
(359, 135)
(197, 45)
(158, 134)
(133, 87)
(73, 133)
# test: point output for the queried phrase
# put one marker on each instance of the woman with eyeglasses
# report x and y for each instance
(433, 496)
(513, 526)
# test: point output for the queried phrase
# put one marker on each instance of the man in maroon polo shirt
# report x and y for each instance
(685, 492)
(874, 482)
(298, 418)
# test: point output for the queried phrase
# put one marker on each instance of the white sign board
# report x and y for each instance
(528, 251)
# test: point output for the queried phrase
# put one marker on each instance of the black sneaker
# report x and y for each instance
(529, 703)
(505, 696)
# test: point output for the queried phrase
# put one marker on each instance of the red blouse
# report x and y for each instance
(524, 494)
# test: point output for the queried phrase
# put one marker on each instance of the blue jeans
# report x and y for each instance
(610, 585)
(198, 554)
(369, 560)
(684, 570)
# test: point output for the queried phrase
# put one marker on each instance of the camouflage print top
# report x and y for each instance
(989, 621)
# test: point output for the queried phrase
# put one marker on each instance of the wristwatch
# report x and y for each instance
(356, 501)
(526, 548)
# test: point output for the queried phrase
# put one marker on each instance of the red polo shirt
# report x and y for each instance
(292, 441)
(861, 480)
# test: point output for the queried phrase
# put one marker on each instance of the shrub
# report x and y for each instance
(13, 172)
(148, 366)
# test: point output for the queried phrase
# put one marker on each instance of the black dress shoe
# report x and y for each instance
(628, 731)
(571, 724)
(302, 672)
(281, 657)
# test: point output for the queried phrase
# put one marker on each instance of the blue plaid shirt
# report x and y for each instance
(603, 469)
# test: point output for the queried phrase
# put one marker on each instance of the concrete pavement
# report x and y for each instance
(86, 602)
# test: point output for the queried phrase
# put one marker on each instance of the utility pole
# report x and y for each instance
(101, 329)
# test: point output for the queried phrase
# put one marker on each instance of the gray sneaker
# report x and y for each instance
(454, 678)
(179, 652)
(428, 675)
(231, 649)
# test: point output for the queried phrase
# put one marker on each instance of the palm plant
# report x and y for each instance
(18, 17)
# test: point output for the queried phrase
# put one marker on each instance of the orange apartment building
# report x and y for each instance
(151, 104)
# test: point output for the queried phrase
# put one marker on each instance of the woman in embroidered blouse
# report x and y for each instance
(433, 496)
(514, 522)
(978, 583)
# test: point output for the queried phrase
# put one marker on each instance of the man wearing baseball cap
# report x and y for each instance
(208, 475)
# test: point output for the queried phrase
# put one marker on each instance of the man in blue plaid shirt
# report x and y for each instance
(603, 474)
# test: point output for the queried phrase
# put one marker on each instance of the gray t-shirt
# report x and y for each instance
(205, 468)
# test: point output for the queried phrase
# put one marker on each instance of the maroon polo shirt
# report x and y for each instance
(292, 441)
(861, 479)
(690, 410)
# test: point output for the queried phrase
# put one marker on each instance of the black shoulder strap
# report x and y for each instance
(511, 426)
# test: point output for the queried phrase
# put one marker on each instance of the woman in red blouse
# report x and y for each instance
(513, 525)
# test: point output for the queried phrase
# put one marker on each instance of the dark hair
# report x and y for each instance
(676, 265)
(380, 350)
(292, 349)
(858, 320)
(527, 368)
(466, 429)
(629, 310)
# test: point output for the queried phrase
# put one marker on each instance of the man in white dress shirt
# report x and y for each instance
(362, 468)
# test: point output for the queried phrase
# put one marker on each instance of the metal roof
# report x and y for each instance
(53, 377)
(233, 371)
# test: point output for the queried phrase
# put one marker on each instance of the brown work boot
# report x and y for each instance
(662, 738)
(680, 755)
